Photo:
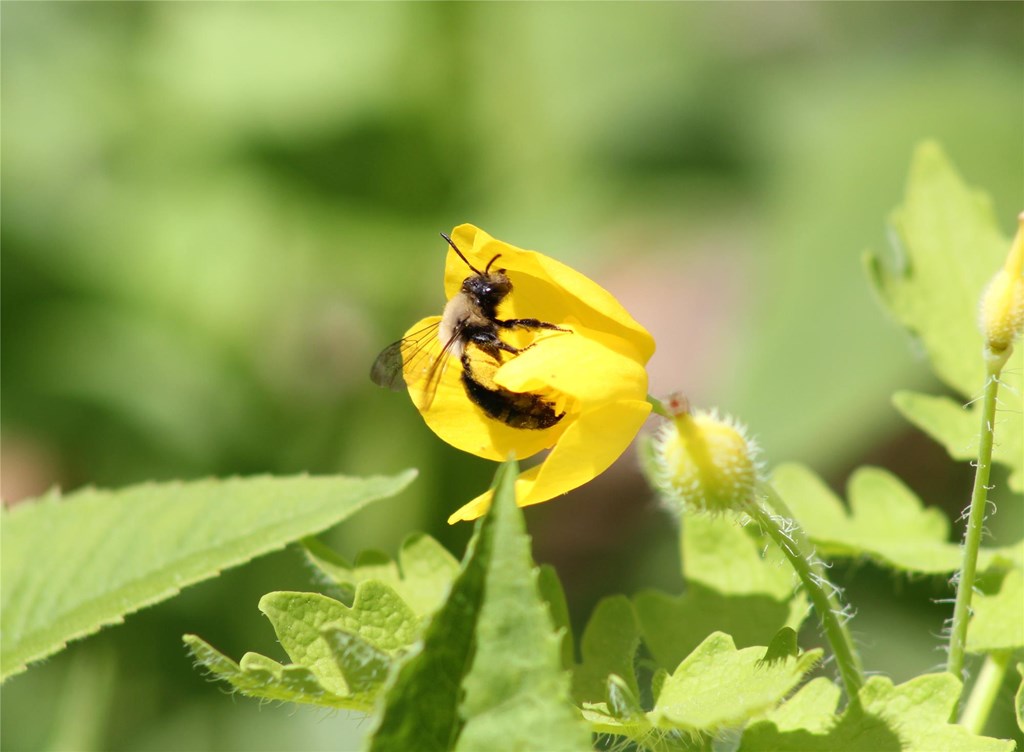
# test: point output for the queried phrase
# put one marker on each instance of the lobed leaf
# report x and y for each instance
(957, 426)
(886, 521)
(261, 677)
(75, 564)
(912, 717)
(947, 246)
(422, 575)
(718, 686)
(735, 584)
(378, 617)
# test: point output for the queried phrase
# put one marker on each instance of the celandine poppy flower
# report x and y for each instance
(588, 368)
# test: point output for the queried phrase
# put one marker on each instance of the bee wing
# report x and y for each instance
(437, 369)
(388, 369)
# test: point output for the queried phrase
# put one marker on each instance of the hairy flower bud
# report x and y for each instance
(1002, 303)
(703, 462)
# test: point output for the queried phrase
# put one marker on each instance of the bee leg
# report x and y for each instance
(491, 344)
(528, 324)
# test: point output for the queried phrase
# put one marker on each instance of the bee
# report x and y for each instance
(470, 325)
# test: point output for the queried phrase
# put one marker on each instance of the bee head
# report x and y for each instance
(488, 288)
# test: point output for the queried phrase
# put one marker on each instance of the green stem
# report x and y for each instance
(798, 550)
(658, 408)
(975, 521)
(985, 691)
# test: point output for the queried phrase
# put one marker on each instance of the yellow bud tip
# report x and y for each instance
(1002, 303)
(704, 462)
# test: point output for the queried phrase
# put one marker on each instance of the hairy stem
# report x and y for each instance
(975, 521)
(784, 530)
(985, 691)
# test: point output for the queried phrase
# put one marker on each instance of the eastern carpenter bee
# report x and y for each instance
(470, 325)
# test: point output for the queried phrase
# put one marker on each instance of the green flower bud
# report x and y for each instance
(1002, 303)
(703, 462)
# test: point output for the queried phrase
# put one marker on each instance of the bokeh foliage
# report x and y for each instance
(216, 214)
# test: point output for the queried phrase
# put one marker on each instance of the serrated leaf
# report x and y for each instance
(488, 672)
(913, 717)
(73, 565)
(258, 676)
(422, 575)
(735, 584)
(948, 247)
(997, 620)
(957, 428)
(378, 617)
(718, 686)
(886, 522)
(516, 692)
(608, 647)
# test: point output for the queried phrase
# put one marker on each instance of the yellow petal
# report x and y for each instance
(450, 414)
(586, 449)
(546, 289)
(577, 364)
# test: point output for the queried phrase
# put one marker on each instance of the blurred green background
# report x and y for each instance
(216, 214)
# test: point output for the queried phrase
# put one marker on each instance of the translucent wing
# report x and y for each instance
(437, 369)
(388, 369)
(422, 356)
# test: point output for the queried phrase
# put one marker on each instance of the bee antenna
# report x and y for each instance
(456, 249)
(488, 267)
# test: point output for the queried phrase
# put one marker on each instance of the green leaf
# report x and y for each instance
(422, 576)
(913, 717)
(886, 522)
(378, 616)
(996, 622)
(340, 654)
(551, 591)
(73, 565)
(258, 676)
(363, 666)
(716, 688)
(609, 647)
(782, 646)
(516, 692)
(948, 246)
(731, 587)
(1018, 699)
(957, 428)
(811, 709)
(693, 698)
(487, 674)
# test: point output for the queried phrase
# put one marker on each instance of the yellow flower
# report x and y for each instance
(1002, 303)
(591, 369)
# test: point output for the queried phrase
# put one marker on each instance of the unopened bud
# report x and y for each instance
(703, 462)
(1002, 303)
